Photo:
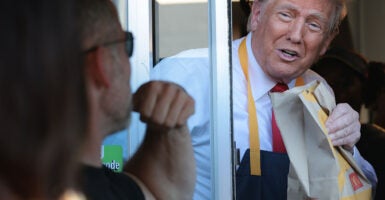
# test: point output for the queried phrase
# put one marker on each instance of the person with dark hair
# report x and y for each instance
(43, 102)
(285, 38)
(358, 83)
(346, 72)
(375, 95)
(372, 142)
(163, 167)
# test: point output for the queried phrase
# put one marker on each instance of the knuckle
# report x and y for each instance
(155, 86)
(180, 93)
(346, 132)
(169, 123)
(343, 141)
(356, 115)
(158, 120)
(346, 122)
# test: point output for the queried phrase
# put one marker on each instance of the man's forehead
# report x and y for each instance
(321, 8)
(318, 9)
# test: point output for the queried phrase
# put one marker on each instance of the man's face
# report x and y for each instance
(117, 101)
(289, 35)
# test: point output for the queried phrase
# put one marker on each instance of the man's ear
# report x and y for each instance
(254, 15)
(96, 68)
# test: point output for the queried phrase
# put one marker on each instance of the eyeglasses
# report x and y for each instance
(128, 40)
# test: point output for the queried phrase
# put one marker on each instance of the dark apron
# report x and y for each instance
(271, 185)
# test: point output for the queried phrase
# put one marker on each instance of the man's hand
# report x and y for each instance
(165, 161)
(163, 104)
(344, 126)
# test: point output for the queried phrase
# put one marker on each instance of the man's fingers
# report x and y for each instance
(340, 110)
(341, 117)
(343, 126)
(163, 103)
(144, 101)
(346, 137)
(188, 110)
(176, 109)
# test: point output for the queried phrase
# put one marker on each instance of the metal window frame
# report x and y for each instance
(139, 23)
(222, 173)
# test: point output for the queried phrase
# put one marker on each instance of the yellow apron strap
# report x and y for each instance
(299, 81)
(255, 154)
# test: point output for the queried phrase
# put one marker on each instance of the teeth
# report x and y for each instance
(292, 53)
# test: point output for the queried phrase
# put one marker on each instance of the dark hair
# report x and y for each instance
(43, 101)
(351, 59)
(246, 6)
(95, 29)
(345, 71)
(375, 83)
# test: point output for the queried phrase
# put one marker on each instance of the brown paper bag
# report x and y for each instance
(317, 169)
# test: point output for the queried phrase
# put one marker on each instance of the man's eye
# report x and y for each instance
(315, 27)
(285, 16)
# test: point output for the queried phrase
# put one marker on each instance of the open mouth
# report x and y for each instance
(289, 53)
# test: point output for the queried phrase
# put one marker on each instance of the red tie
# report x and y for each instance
(278, 145)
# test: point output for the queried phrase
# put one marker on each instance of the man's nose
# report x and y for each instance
(296, 31)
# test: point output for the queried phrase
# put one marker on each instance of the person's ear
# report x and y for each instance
(96, 68)
(255, 15)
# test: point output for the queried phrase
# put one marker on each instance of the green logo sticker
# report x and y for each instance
(112, 157)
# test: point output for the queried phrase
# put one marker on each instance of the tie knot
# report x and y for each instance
(280, 87)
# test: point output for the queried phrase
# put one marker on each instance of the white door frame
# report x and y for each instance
(221, 133)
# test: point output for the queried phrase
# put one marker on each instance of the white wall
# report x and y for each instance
(182, 26)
